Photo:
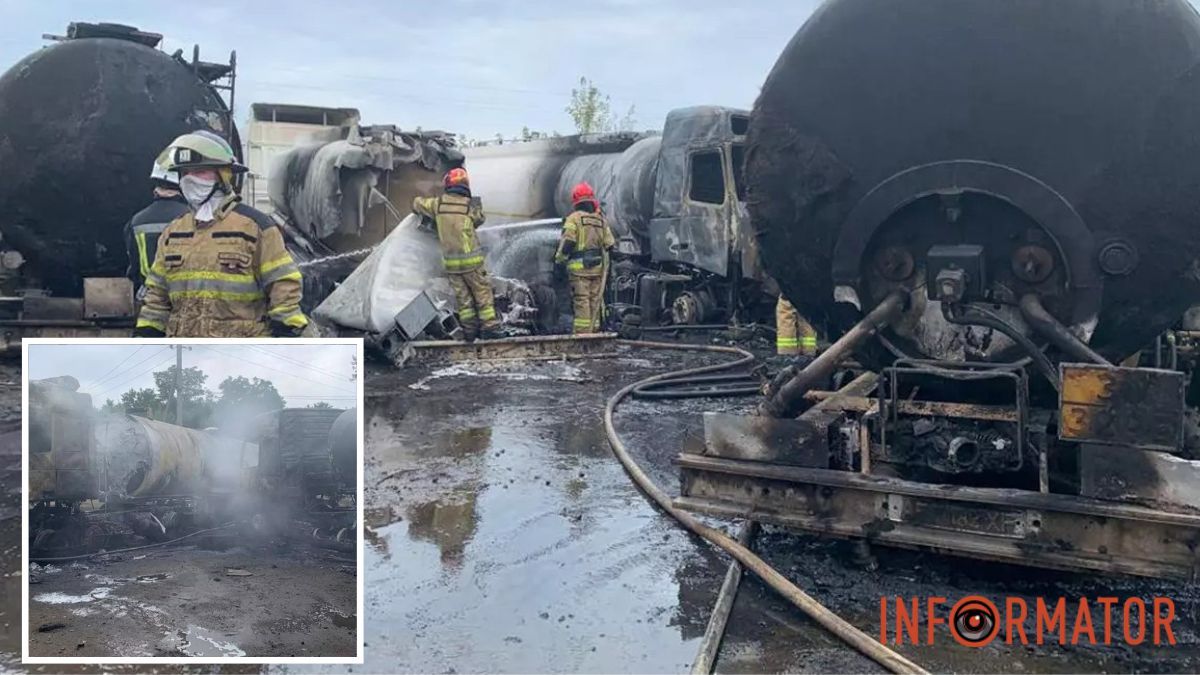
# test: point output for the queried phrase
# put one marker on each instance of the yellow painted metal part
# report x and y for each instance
(1133, 407)
(1084, 389)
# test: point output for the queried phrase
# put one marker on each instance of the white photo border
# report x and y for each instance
(26, 658)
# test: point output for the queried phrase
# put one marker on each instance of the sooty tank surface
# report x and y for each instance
(1060, 136)
(81, 122)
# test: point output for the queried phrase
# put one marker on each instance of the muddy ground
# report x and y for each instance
(504, 536)
(189, 601)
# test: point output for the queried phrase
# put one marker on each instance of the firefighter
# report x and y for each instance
(793, 333)
(221, 270)
(455, 217)
(583, 254)
(142, 231)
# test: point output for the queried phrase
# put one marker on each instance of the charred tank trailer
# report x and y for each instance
(153, 476)
(674, 201)
(344, 190)
(308, 466)
(990, 225)
(82, 121)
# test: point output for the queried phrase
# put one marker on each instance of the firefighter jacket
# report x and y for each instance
(456, 219)
(142, 232)
(228, 278)
(584, 245)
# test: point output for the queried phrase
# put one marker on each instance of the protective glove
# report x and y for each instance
(282, 330)
(560, 272)
(148, 332)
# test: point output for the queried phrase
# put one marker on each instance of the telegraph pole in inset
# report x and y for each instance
(178, 385)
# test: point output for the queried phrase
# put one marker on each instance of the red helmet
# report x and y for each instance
(583, 193)
(456, 177)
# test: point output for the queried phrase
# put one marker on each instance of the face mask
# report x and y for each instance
(202, 195)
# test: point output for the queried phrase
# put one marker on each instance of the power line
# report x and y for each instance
(296, 362)
(119, 363)
(165, 361)
(122, 373)
(262, 365)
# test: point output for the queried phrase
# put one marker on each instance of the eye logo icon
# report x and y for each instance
(974, 622)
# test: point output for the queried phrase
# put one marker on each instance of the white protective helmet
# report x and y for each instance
(160, 172)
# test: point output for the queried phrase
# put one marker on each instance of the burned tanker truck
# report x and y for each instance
(1000, 230)
(675, 201)
(82, 121)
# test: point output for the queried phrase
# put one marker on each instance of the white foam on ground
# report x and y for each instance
(67, 599)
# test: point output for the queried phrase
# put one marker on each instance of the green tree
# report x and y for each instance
(322, 405)
(138, 401)
(197, 401)
(243, 399)
(590, 109)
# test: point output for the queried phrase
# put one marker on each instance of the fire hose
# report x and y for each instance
(857, 639)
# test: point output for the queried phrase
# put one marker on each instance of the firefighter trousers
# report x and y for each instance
(794, 334)
(587, 294)
(476, 306)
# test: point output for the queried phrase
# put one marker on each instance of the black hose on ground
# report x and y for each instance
(864, 643)
(684, 326)
(132, 548)
(703, 386)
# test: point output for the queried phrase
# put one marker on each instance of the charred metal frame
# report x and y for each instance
(888, 396)
(1026, 527)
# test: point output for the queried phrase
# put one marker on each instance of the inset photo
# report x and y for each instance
(192, 501)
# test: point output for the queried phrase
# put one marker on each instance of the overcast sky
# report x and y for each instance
(470, 66)
(303, 374)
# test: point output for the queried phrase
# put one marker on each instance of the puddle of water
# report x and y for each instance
(513, 525)
(343, 621)
(67, 599)
(198, 641)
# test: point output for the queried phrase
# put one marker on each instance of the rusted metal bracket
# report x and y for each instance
(527, 348)
(1015, 526)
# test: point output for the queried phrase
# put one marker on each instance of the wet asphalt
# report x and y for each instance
(504, 536)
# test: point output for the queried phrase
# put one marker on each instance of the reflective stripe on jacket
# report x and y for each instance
(589, 236)
(456, 219)
(142, 233)
(227, 278)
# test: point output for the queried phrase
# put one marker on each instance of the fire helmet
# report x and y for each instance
(456, 177)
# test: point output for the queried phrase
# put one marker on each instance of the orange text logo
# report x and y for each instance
(975, 621)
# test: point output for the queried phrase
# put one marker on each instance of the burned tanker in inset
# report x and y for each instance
(974, 151)
(81, 122)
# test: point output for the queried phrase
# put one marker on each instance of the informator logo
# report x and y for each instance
(977, 621)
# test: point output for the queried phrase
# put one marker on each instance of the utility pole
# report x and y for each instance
(178, 384)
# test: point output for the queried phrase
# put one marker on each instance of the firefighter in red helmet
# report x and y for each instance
(583, 255)
(455, 216)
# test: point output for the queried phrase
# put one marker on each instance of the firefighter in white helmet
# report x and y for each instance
(221, 270)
